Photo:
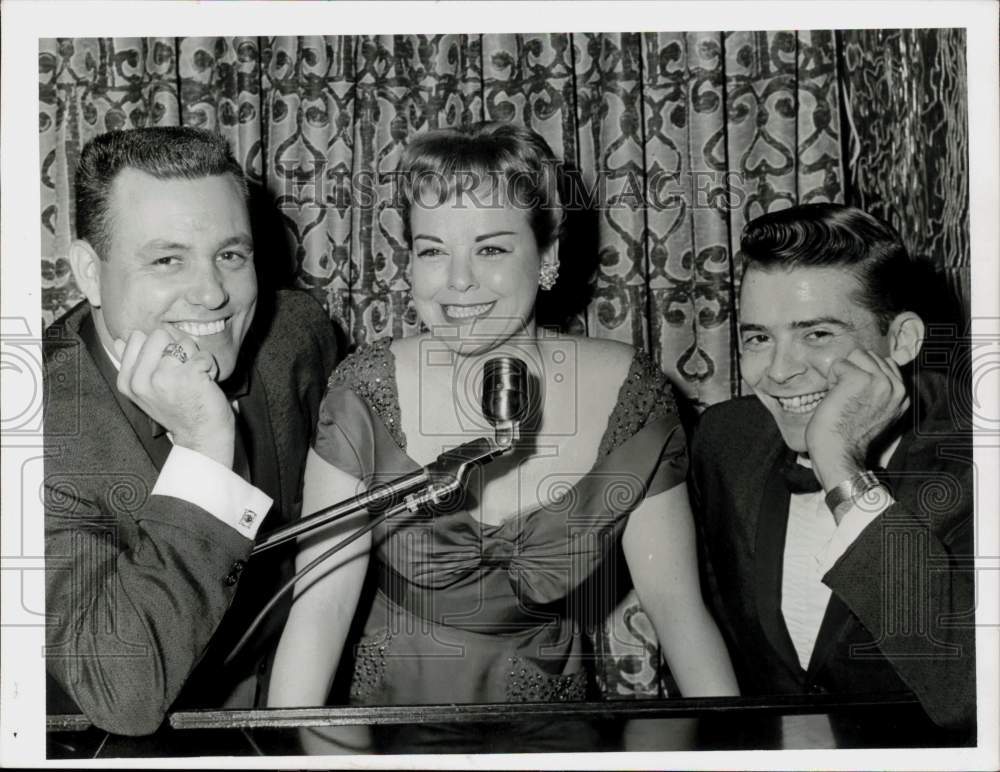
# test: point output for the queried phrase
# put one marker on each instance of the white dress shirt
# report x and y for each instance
(813, 544)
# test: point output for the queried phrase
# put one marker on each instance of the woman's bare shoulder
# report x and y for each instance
(599, 366)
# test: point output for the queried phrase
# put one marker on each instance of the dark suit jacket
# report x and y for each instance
(901, 614)
(136, 584)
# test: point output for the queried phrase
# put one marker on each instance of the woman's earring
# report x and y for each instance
(547, 275)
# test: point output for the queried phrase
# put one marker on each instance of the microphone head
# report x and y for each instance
(505, 390)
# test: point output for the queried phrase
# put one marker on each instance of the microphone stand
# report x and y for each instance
(440, 478)
(505, 403)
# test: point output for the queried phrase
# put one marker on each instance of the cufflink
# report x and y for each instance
(247, 519)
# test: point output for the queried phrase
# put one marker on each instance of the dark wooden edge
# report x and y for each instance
(67, 723)
(278, 718)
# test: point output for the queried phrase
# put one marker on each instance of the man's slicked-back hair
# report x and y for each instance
(512, 160)
(163, 152)
(838, 236)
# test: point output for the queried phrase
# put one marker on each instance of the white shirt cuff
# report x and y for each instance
(197, 479)
(855, 520)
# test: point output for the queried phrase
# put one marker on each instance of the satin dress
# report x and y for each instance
(465, 612)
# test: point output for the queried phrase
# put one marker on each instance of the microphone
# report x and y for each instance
(505, 402)
(505, 397)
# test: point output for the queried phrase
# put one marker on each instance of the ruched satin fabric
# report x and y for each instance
(469, 612)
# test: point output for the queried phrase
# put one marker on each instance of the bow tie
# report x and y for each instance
(802, 479)
(798, 478)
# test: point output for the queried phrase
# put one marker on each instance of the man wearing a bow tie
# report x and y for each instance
(836, 502)
(180, 403)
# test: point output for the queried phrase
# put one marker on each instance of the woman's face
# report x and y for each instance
(475, 270)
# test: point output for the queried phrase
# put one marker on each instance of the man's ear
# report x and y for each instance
(86, 267)
(906, 337)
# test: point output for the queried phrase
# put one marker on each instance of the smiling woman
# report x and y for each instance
(483, 217)
(485, 597)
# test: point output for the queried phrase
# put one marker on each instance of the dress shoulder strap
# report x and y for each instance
(370, 372)
(645, 395)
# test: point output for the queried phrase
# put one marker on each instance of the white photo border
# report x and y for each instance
(22, 726)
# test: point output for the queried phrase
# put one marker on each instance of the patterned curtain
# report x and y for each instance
(907, 151)
(672, 141)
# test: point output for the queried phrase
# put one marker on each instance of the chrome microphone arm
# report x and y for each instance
(442, 477)
(505, 404)
(450, 470)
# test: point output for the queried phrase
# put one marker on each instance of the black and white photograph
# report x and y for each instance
(504, 385)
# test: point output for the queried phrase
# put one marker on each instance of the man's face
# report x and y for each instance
(180, 257)
(794, 324)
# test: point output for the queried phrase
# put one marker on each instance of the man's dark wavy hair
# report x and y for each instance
(839, 236)
(164, 152)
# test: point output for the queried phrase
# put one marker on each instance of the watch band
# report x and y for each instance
(845, 495)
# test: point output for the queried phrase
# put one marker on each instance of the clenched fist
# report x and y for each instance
(179, 391)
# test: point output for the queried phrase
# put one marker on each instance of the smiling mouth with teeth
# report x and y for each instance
(461, 313)
(801, 403)
(201, 329)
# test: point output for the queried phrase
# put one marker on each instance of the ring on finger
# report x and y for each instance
(176, 350)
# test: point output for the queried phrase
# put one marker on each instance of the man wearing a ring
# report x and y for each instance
(177, 418)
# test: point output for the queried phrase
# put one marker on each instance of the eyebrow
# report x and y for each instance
(801, 325)
(483, 237)
(495, 233)
(241, 240)
(164, 244)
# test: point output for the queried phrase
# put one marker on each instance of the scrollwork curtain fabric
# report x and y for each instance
(675, 141)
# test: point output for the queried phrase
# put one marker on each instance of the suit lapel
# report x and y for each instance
(258, 438)
(156, 444)
(838, 616)
(772, 521)
(831, 631)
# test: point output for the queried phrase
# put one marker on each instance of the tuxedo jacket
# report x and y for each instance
(901, 614)
(138, 584)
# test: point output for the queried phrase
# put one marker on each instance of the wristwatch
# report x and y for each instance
(842, 497)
